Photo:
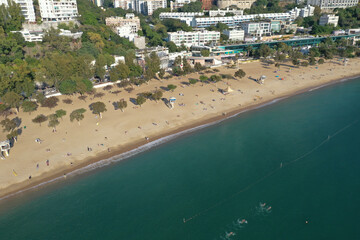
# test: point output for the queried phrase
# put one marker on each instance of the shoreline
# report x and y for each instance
(121, 153)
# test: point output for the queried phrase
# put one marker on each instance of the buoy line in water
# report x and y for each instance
(185, 220)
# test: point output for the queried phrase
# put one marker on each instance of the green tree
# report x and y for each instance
(161, 73)
(50, 102)
(186, 66)
(305, 63)
(83, 85)
(153, 62)
(8, 125)
(192, 81)
(140, 100)
(53, 121)
(215, 79)
(172, 46)
(13, 100)
(240, 73)
(29, 106)
(149, 74)
(40, 119)
(312, 61)
(77, 115)
(67, 86)
(11, 18)
(122, 104)
(295, 61)
(98, 108)
(60, 113)
(171, 87)
(40, 97)
(13, 135)
(198, 67)
(100, 67)
(205, 53)
(191, 7)
(120, 71)
(157, 95)
(264, 50)
(203, 78)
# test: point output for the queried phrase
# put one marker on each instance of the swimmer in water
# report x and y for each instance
(243, 221)
(262, 204)
(269, 208)
(230, 234)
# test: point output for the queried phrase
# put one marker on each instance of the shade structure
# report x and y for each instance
(229, 90)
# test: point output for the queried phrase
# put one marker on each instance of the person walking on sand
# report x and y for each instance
(47, 162)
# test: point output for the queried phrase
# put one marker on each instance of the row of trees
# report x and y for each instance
(327, 49)
(23, 63)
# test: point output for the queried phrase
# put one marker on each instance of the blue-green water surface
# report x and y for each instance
(300, 156)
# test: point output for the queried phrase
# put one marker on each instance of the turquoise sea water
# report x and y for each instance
(301, 156)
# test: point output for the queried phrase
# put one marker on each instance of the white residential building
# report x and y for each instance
(186, 17)
(329, 19)
(68, 33)
(152, 5)
(179, 15)
(236, 20)
(302, 12)
(124, 4)
(129, 21)
(58, 10)
(199, 38)
(256, 29)
(241, 4)
(98, 3)
(146, 7)
(235, 35)
(332, 4)
(179, 3)
(126, 32)
(32, 36)
(27, 9)
(222, 13)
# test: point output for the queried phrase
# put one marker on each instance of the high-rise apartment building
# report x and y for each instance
(146, 7)
(27, 8)
(241, 4)
(332, 4)
(58, 10)
(199, 38)
(179, 3)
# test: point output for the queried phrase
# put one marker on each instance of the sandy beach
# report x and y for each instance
(68, 148)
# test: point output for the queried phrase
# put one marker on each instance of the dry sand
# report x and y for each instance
(121, 131)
